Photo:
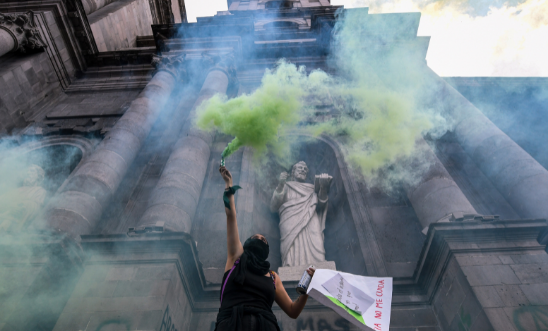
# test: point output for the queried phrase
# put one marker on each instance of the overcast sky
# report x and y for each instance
(469, 37)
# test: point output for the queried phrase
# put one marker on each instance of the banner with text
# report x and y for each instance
(364, 301)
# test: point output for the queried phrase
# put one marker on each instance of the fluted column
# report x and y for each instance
(174, 200)
(77, 209)
(91, 6)
(18, 33)
(517, 176)
(436, 197)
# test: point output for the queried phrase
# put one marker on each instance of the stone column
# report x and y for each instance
(437, 197)
(174, 200)
(18, 33)
(91, 6)
(517, 176)
(77, 209)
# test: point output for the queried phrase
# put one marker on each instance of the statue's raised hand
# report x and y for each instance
(281, 180)
(325, 181)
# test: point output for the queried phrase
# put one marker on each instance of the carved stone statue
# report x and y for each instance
(20, 206)
(302, 208)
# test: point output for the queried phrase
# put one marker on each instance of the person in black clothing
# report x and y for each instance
(249, 287)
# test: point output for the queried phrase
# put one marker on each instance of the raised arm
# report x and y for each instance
(325, 183)
(292, 308)
(233, 244)
(279, 193)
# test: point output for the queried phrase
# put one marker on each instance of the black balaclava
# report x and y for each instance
(253, 259)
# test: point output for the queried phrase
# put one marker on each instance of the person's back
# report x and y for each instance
(257, 291)
(249, 287)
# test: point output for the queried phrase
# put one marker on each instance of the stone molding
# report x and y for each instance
(443, 242)
(24, 32)
(172, 64)
(225, 63)
(221, 62)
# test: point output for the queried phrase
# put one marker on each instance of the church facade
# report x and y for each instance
(123, 225)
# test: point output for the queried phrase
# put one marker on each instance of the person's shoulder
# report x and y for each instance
(276, 276)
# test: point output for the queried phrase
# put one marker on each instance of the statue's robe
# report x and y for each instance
(302, 221)
(20, 206)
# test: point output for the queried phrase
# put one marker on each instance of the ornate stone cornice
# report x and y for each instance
(222, 62)
(24, 31)
(172, 64)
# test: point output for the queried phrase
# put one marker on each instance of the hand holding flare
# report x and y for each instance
(229, 189)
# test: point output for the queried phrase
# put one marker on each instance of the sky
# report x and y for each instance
(468, 37)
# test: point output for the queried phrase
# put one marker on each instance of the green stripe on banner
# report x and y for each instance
(350, 311)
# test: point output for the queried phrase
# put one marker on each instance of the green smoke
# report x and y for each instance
(261, 118)
(374, 114)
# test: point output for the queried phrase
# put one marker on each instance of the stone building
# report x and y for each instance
(100, 94)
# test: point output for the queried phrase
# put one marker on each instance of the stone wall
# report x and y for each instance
(119, 295)
(456, 305)
(477, 188)
(93, 112)
(24, 81)
(120, 289)
(91, 104)
(117, 25)
(389, 212)
(16, 281)
(316, 317)
(37, 276)
(487, 276)
(512, 287)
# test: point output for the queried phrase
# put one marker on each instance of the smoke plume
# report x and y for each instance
(374, 107)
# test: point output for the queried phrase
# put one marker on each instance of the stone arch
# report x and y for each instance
(32, 173)
(75, 147)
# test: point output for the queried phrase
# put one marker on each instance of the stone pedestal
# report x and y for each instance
(295, 273)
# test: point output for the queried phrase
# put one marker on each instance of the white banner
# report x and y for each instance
(364, 301)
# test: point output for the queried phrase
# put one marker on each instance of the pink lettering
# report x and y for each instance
(378, 303)
(379, 288)
(378, 314)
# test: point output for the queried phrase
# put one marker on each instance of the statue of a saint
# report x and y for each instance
(302, 208)
(20, 206)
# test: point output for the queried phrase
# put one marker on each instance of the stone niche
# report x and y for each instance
(37, 269)
(30, 175)
(58, 162)
(340, 238)
(254, 216)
